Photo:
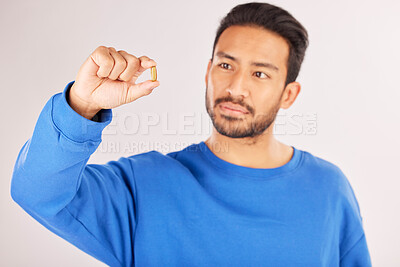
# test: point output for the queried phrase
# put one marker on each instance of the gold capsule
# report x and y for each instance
(153, 74)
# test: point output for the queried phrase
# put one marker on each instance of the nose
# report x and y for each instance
(238, 86)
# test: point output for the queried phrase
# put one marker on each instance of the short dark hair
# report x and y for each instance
(274, 19)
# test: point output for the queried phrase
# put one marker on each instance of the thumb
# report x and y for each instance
(136, 91)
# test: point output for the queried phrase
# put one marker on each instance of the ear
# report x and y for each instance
(290, 94)
(208, 70)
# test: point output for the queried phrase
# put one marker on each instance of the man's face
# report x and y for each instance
(245, 81)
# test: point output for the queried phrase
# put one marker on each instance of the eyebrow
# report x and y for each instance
(257, 64)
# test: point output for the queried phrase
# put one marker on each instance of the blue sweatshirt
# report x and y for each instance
(185, 208)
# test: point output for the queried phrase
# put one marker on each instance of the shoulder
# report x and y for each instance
(155, 161)
(329, 175)
(187, 151)
(332, 179)
(321, 168)
(151, 159)
(319, 164)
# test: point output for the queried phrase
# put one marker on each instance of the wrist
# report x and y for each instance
(81, 107)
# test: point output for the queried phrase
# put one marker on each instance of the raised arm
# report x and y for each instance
(90, 205)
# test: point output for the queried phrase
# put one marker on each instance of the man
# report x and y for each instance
(258, 203)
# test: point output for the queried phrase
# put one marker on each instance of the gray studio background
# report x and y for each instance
(347, 111)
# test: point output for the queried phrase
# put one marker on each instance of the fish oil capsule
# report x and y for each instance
(153, 74)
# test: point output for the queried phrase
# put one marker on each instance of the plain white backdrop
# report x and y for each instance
(347, 111)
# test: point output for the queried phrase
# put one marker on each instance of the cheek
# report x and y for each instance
(218, 80)
(264, 101)
(215, 89)
(261, 98)
(210, 96)
(279, 81)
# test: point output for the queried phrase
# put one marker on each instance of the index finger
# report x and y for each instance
(146, 62)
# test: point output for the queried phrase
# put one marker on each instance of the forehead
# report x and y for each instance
(250, 43)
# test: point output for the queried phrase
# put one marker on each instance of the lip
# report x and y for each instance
(232, 108)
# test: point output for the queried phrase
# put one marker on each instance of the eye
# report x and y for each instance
(224, 65)
(262, 73)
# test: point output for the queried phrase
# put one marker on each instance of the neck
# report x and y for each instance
(263, 151)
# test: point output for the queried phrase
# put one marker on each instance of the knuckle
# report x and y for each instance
(147, 59)
(144, 59)
(133, 61)
(120, 62)
(108, 63)
(101, 48)
(120, 65)
(133, 58)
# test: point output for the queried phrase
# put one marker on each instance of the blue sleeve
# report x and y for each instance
(358, 255)
(89, 205)
(353, 249)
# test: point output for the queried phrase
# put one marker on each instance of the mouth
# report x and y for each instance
(233, 109)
